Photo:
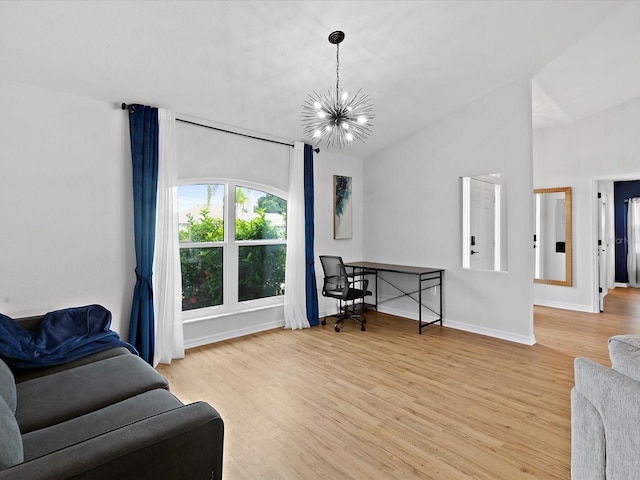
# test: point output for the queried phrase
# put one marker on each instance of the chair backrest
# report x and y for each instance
(335, 276)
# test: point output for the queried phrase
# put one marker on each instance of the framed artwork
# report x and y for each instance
(342, 216)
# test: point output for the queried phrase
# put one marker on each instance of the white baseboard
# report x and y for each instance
(218, 337)
(489, 332)
(227, 335)
(565, 306)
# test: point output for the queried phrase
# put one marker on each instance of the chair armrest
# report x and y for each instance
(363, 284)
(182, 443)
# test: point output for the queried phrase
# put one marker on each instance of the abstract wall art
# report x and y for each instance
(342, 199)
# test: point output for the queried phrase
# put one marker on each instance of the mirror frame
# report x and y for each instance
(568, 282)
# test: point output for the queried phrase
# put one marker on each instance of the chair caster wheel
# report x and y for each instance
(324, 322)
(362, 328)
(336, 328)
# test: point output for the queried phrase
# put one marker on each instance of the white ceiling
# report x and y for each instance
(250, 64)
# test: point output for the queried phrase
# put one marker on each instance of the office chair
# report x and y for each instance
(337, 284)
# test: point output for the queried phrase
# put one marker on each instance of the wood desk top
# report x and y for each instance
(387, 267)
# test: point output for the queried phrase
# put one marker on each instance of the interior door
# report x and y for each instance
(602, 250)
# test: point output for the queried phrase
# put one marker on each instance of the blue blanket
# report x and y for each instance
(63, 336)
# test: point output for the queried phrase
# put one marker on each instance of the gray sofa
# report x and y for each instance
(107, 415)
(605, 414)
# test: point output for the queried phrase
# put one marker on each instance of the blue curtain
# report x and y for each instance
(143, 126)
(310, 283)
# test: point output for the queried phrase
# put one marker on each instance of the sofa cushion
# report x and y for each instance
(23, 374)
(47, 440)
(59, 397)
(11, 451)
(624, 351)
(7, 386)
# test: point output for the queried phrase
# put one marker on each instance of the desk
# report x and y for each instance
(427, 278)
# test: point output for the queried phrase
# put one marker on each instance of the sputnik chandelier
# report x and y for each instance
(338, 120)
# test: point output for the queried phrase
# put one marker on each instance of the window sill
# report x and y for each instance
(206, 317)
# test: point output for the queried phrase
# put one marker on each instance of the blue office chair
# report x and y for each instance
(338, 284)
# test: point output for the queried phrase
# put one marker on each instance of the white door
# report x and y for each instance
(602, 250)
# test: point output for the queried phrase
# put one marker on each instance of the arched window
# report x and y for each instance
(232, 246)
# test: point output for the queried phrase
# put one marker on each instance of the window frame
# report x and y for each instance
(230, 251)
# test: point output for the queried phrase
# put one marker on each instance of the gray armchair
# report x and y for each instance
(605, 418)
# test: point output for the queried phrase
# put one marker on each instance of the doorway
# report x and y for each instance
(610, 232)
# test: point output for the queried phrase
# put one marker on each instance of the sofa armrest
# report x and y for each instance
(588, 445)
(615, 398)
(182, 443)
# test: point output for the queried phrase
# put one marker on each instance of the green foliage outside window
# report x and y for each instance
(272, 204)
(261, 271)
(258, 228)
(204, 229)
(201, 277)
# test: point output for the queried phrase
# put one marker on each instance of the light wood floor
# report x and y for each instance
(390, 404)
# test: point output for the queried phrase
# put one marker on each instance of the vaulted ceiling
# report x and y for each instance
(251, 64)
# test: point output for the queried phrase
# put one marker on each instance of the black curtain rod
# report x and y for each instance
(229, 131)
(131, 107)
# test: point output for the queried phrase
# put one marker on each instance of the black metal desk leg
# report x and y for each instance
(376, 290)
(440, 287)
(420, 304)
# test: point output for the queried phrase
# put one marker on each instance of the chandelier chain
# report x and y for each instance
(337, 70)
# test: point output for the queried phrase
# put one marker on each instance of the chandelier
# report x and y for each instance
(338, 120)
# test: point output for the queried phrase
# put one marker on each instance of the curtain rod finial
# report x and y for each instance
(317, 150)
(131, 108)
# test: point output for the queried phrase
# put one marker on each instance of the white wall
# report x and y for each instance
(326, 165)
(413, 209)
(65, 204)
(606, 145)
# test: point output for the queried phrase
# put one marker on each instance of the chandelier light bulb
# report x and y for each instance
(322, 112)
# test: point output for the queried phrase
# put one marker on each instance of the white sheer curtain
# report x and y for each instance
(633, 239)
(169, 337)
(295, 309)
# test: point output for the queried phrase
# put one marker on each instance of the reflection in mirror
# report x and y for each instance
(552, 239)
(484, 242)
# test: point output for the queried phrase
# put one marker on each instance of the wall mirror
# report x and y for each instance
(552, 238)
(484, 232)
